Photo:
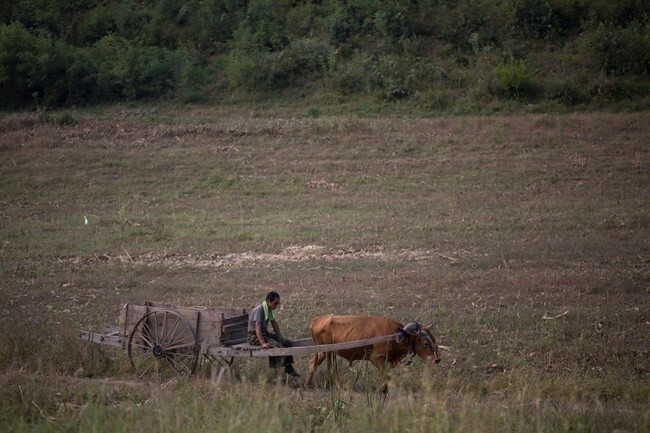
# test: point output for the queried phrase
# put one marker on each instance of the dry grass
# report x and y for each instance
(525, 238)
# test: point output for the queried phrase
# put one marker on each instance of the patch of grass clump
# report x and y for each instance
(60, 119)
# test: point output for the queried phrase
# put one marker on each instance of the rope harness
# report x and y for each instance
(408, 335)
(409, 358)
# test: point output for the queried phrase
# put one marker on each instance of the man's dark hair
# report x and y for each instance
(272, 296)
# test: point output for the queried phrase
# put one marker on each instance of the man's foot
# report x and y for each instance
(290, 371)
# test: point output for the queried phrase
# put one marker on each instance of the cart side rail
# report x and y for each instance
(302, 347)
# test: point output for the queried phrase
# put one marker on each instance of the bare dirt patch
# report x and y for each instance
(292, 254)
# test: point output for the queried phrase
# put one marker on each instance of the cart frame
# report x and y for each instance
(166, 340)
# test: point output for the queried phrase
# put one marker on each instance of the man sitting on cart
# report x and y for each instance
(259, 335)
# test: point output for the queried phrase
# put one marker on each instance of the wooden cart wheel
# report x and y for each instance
(163, 344)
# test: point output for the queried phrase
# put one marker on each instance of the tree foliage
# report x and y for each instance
(56, 52)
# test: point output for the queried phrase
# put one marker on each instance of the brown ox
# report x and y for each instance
(409, 340)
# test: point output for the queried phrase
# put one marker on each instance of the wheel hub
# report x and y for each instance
(158, 351)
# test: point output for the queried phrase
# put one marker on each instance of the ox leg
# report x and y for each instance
(384, 370)
(315, 361)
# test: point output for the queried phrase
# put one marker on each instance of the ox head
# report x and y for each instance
(419, 341)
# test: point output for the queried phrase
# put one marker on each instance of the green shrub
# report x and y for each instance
(244, 64)
(255, 70)
(59, 119)
(613, 89)
(391, 24)
(109, 56)
(346, 23)
(512, 80)
(302, 57)
(96, 24)
(472, 21)
(621, 50)
(82, 75)
(567, 91)
(618, 13)
(53, 79)
(349, 77)
(20, 52)
(126, 70)
(569, 15)
(33, 68)
(388, 77)
(155, 71)
(433, 101)
(267, 28)
(248, 70)
(533, 18)
(304, 19)
(193, 78)
(314, 112)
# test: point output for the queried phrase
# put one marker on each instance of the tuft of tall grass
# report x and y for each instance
(32, 403)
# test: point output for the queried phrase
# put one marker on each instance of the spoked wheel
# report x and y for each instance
(163, 344)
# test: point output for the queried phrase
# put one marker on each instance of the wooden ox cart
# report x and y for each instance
(164, 340)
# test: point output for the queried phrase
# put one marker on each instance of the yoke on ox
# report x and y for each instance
(409, 340)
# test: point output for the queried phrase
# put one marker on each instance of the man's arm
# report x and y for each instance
(260, 337)
(276, 327)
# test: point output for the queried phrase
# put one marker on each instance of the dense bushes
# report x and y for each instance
(253, 69)
(38, 69)
(621, 50)
(75, 52)
(32, 66)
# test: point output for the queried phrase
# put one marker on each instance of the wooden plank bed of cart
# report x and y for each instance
(165, 340)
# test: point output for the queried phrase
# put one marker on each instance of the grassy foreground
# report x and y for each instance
(523, 238)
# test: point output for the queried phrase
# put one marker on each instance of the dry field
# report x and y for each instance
(525, 239)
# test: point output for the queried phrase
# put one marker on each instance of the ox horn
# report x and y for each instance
(412, 328)
(429, 326)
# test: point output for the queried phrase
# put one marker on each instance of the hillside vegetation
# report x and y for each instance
(431, 56)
